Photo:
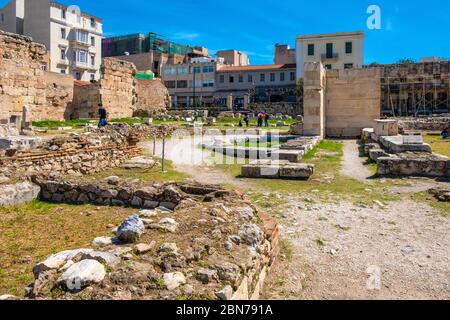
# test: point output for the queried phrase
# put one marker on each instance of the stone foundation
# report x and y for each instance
(153, 98)
(430, 124)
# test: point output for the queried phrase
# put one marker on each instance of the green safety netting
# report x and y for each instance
(145, 75)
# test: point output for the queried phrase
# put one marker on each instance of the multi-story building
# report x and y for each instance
(192, 83)
(72, 38)
(261, 83)
(342, 50)
(12, 15)
(234, 58)
(284, 54)
(149, 52)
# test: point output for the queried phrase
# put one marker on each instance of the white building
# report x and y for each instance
(342, 50)
(72, 38)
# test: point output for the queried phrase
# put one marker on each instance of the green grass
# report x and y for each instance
(38, 229)
(56, 124)
(438, 145)
(327, 183)
(154, 174)
(424, 197)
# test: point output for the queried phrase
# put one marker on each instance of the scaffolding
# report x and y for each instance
(416, 89)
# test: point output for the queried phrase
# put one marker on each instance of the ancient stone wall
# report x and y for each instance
(429, 124)
(59, 90)
(353, 101)
(116, 90)
(21, 77)
(286, 108)
(153, 98)
(72, 162)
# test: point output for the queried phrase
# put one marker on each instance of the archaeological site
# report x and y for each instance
(135, 168)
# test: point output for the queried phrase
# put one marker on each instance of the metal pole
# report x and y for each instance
(193, 89)
(163, 153)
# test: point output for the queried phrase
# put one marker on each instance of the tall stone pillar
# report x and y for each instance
(246, 101)
(230, 102)
(314, 99)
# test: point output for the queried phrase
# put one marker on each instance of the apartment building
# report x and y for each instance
(149, 52)
(261, 83)
(284, 54)
(342, 50)
(192, 83)
(72, 37)
(233, 57)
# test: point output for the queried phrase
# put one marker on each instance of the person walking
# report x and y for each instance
(246, 119)
(266, 119)
(260, 120)
(103, 115)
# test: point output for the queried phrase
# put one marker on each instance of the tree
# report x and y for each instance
(299, 88)
(406, 61)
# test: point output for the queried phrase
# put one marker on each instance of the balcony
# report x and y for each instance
(63, 62)
(330, 57)
(80, 43)
(77, 65)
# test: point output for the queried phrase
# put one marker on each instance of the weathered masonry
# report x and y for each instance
(340, 103)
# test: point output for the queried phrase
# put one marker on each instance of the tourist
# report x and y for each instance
(246, 119)
(260, 120)
(102, 115)
(446, 133)
(266, 119)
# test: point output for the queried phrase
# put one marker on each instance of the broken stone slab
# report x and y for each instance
(225, 294)
(82, 274)
(246, 213)
(168, 247)
(166, 224)
(298, 171)
(56, 261)
(18, 193)
(173, 280)
(105, 241)
(290, 155)
(139, 163)
(113, 180)
(106, 258)
(131, 229)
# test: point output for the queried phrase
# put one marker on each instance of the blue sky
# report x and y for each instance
(411, 29)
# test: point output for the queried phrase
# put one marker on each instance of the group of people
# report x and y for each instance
(263, 120)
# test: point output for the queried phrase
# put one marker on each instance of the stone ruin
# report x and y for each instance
(191, 242)
(402, 155)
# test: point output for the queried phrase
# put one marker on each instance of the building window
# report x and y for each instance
(80, 56)
(241, 78)
(349, 47)
(272, 77)
(262, 77)
(92, 76)
(208, 69)
(250, 78)
(348, 66)
(282, 76)
(222, 78)
(197, 69)
(63, 71)
(328, 66)
(310, 49)
(208, 83)
(63, 14)
(78, 75)
(292, 74)
(169, 84)
(93, 41)
(231, 79)
(329, 50)
(92, 60)
(93, 23)
(63, 54)
(82, 36)
(63, 33)
(182, 84)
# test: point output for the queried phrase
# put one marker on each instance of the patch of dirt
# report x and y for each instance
(352, 165)
(337, 248)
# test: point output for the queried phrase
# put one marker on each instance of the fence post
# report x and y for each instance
(163, 153)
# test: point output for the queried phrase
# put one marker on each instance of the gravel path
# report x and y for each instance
(337, 248)
(352, 164)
